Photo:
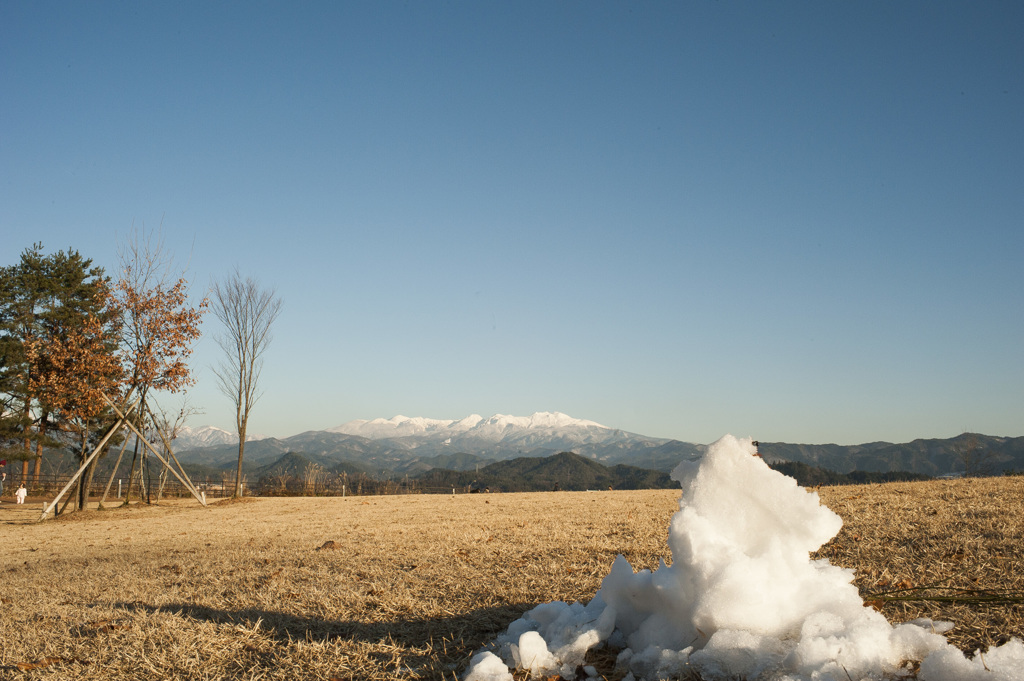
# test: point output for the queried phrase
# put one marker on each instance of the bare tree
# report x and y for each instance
(170, 425)
(312, 476)
(247, 311)
(975, 458)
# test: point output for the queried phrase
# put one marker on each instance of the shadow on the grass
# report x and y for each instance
(458, 636)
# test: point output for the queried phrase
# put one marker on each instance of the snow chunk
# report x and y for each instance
(1005, 663)
(486, 666)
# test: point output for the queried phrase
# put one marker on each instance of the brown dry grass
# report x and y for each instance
(413, 585)
(949, 550)
(411, 588)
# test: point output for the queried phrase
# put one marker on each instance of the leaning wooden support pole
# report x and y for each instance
(123, 418)
(170, 450)
(106, 490)
(155, 453)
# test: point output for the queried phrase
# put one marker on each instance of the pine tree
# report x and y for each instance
(52, 307)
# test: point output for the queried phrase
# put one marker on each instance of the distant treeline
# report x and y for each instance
(293, 474)
(812, 476)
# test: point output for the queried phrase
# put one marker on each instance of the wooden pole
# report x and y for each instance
(131, 468)
(155, 453)
(164, 462)
(106, 490)
(95, 452)
(170, 450)
(57, 512)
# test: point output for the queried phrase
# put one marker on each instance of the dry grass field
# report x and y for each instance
(410, 586)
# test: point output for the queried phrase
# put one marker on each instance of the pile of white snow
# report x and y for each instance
(741, 600)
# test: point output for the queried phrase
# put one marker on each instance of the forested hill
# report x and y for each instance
(969, 453)
(568, 471)
(563, 471)
(812, 476)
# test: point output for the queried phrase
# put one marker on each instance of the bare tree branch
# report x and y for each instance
(975, 458)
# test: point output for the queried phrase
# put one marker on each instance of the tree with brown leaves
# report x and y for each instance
(158, 322)
(77, 366)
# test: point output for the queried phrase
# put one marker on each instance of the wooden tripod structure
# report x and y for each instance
(122, 422)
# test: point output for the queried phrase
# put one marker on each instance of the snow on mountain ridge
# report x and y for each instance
(396, 426)
(207, 436)
(542, 419)
(494, 428)
(471, 433)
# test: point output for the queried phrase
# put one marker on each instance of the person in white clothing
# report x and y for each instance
(21, 494)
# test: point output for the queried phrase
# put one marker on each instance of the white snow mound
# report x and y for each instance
(741, 600)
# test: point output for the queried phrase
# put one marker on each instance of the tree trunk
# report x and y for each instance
(241, 452)
(146, 475)
(144, 472)
(87, 485)
(39, 450)
(39, 464)
(27, 434)
(131, 472)
(86, 479)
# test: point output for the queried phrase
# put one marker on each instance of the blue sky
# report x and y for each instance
(794, 221)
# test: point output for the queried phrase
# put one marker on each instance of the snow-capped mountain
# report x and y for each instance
(497, 428)
(207, 436)
(476, 434)
(403, 443)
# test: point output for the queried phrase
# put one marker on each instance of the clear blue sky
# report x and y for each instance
(799, 222)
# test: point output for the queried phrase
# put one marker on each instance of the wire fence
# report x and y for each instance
(290, 486)
(50, 484)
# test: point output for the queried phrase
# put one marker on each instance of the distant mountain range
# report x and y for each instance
(933, 457)
(292, 473)
(412, 446)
